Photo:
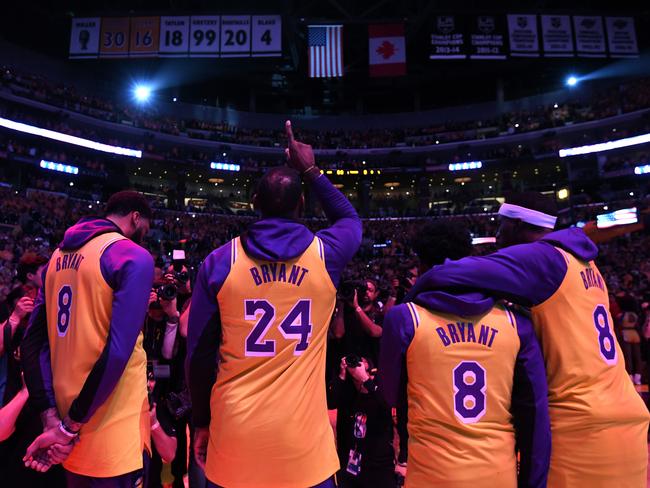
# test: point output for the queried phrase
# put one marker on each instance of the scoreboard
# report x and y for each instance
(196, 36)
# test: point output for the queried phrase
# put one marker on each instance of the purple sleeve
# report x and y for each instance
(398, 332)
(341, 241)
(128, 269)
(204, 332)
(530, 408)
(527, 274)
(35, 352)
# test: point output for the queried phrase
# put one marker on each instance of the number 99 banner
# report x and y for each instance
(209, 36)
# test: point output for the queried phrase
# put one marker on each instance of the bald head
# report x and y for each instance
(279, 193)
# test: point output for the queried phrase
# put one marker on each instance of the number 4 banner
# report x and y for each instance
(267, 35)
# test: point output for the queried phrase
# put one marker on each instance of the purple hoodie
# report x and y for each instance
(128, 270)
(529, 393)
(527, 274)
(271, 239)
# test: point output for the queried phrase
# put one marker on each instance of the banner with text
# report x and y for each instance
(557, 36)
(487, 37)
(524, 38)
(621, 37)
(448, 38)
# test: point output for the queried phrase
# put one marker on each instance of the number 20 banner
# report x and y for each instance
(208, 36)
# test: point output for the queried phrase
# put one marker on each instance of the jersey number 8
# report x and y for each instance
(63, 314)
(470, 385)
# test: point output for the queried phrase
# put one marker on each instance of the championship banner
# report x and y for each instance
(84, 38)
(114, 42)
(590, 36)
(387, 50)
(266, 36)
(557, 36)
(235, 36)
(204, 36)
(174, 36)
(145, 32)
(447, 38)
(524, 39)
(487, 37)
(621, 37)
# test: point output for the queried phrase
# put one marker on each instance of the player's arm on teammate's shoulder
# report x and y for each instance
(343, 238)
(530, 408)
(128, 268)
(527, 274)
(398, 332)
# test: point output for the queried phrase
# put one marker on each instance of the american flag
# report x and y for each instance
(325, 54)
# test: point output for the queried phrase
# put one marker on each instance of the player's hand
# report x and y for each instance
(343, 370)
(60, 452)
(201, 436)
(23, 308)
(37, 456)
(300, 156)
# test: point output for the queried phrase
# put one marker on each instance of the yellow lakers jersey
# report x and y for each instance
(598, 421)
(78, 304)
(269, 425)
(460, 374)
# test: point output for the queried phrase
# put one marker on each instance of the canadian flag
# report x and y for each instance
(387, 50)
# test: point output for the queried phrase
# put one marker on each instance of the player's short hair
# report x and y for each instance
(438, 240)
(124, 202)
(278, 192)
(29, 263)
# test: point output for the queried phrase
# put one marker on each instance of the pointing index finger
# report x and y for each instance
(289, 130)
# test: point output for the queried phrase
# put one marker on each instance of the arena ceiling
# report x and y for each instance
(281, 85)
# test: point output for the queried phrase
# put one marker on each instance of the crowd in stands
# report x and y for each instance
(627, 98)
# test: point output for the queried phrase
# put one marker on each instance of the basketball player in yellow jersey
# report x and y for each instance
(474, 378)
(262, 305)
(83, 355)
(598, 421)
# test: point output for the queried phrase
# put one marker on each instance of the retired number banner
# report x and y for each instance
(84, 38)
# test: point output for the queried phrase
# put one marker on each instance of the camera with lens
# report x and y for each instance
(347, 289)
(181, 276)
(352, 360)
(166, 291)
(179, 404)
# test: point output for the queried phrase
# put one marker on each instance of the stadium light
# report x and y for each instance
(572, 80)
(77, 141)
(642, 170)
(605, 146)
(225, 166)
(63, 168)
(142, 93)
(466, 165)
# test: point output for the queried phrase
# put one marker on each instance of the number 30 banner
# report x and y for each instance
(209, 36)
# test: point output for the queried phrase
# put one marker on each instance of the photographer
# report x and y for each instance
(163, 436)
(358, 319)
(364, 428)
(401, 284)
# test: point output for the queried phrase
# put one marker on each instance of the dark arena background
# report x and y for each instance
(425, 115)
